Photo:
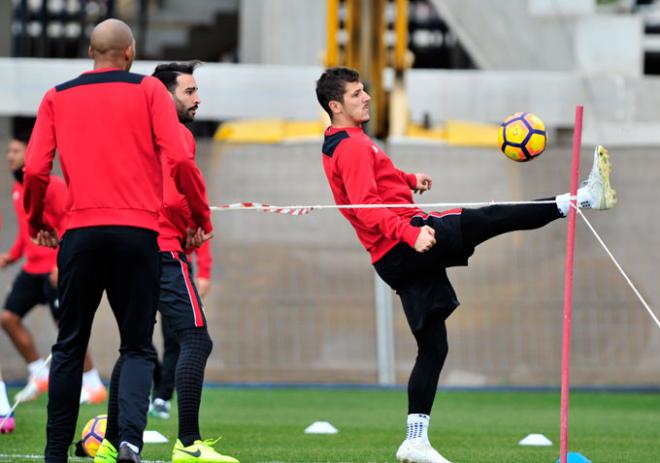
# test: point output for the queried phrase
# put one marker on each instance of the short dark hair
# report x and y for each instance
(332, 85)
(23, 137)
(167, 73)
(22, 128)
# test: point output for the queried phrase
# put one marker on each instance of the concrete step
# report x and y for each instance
(552, 35)
(171, 23)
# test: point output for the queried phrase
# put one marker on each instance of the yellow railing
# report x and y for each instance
(365, 48)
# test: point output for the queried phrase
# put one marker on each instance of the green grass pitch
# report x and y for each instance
(266, 425)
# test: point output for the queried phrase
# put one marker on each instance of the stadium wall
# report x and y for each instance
(620, 110)
(293, 297)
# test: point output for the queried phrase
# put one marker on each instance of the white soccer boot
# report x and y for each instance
(597, 183)
(418, 451)
(90, 395)
(160, 408)
(32, 389)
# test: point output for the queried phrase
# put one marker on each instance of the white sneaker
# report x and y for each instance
(32, 389)
(89, 395)
(597, 183)
(418, 451)
(160, 408)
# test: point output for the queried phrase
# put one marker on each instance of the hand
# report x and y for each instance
(52, 277)
(46, 238)
(425, 240)
(203, 286)
(195, 238)
(424, 182)
(5, 260)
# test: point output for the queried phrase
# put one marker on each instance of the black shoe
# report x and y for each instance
(127, 455)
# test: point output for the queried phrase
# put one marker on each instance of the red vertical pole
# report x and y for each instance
(568, 287)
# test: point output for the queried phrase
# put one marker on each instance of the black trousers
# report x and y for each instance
(427, 296)
(164, 374)
(124, 262)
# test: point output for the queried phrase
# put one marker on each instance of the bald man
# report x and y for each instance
(111, 128)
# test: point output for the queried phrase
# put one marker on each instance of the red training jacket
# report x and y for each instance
(38, 259)
(359, 172)
(175, 217)
(107, 125)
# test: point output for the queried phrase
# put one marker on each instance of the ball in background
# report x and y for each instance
(522, 136)
(93, 434)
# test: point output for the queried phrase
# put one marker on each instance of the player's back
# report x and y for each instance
(103, 124)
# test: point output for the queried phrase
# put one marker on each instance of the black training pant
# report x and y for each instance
(123, 261)
(427, 296)
(164, 377)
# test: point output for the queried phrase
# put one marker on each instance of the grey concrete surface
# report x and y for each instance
(292, 297)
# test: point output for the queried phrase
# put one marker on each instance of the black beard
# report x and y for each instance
(185, 117)
(182, 113)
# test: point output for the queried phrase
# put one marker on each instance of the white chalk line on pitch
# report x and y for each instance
(13, 458)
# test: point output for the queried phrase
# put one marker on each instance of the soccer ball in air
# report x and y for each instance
(93, 434)
(522, 137)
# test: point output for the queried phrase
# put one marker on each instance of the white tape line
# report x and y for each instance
(16, 402)
(8, 457)
(249, 206)
(620, 269)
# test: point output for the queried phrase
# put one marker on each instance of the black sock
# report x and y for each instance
(195, 345)
(432, 350)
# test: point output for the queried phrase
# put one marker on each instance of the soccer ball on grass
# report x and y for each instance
(93, 434)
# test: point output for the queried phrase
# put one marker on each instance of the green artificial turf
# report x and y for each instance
(266, 425)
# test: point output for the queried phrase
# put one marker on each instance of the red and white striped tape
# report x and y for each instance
(288, 210)
(303, 210)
